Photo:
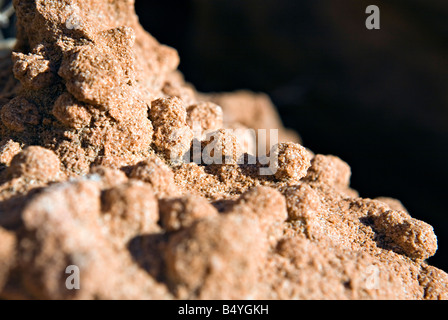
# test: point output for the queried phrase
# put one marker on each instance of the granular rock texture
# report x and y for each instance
(111, 163)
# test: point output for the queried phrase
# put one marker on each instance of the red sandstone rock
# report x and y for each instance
(96, 126)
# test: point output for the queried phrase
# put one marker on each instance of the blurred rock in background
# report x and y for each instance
(378, 99)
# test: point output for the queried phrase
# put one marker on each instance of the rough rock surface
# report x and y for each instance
(97, 136)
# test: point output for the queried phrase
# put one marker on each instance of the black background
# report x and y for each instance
(377, 99)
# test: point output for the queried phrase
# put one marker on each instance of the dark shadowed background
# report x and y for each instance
(377, 99)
